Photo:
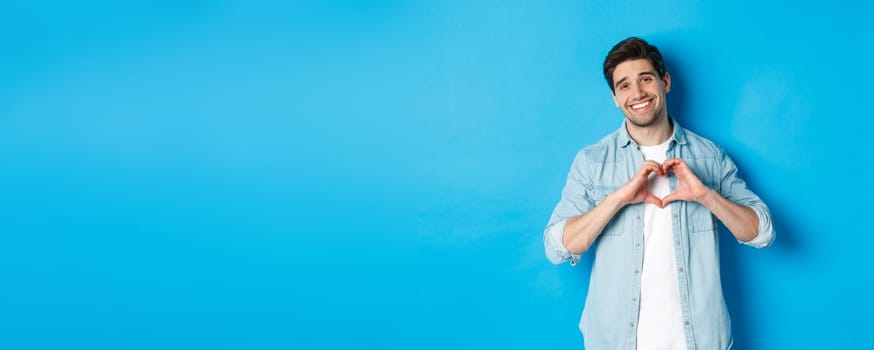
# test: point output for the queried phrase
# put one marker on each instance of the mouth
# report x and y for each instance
(641, 106)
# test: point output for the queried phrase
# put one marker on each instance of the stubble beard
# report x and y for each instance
(644, 121)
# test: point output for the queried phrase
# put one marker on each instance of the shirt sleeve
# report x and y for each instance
(574, 201)
(735, 189)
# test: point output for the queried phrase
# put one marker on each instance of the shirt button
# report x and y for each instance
(634, 299)
(681, 269)
(678, 242)
(686, 323)
(635, 271)
(632, 325)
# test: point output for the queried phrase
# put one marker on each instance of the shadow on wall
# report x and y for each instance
(732, 284)
(736, 266)
(677, 97)
(734, 269)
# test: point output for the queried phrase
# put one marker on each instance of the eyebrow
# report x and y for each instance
(639, 75)
(620, 82)
(646, 73)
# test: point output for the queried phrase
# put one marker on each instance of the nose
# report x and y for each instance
(638, 91)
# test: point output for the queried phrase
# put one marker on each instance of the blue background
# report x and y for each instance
(321, 175)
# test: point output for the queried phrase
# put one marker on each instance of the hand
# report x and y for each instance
(635, 190)
(689, 187)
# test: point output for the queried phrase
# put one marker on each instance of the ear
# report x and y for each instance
(667, 80)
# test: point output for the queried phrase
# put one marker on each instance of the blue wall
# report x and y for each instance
(321, 175)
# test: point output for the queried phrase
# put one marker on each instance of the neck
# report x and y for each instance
(651, 135)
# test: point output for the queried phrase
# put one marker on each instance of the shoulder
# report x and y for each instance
(598, 151)
(707, 159)
(702, 147)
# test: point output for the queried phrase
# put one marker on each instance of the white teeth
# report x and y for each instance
(640, 105)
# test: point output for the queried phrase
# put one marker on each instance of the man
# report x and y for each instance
(645, 200)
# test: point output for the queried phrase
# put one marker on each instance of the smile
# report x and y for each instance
(639, 107)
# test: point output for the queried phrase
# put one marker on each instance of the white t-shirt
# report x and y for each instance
(660, 324)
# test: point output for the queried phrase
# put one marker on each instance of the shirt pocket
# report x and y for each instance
(699, 219)
(615, 226)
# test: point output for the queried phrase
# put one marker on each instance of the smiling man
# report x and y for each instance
(645, 200)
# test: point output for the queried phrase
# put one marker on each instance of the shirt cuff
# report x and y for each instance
(556, 252)
(765, 235)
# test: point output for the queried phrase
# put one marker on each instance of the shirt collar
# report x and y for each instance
(678, 136)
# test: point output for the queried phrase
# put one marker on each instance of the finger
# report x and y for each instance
(673, 197)
(653, 163)
(654, 200)
(674, 161)
(659, 167)
(675, 165)
(674, 169)
(649, 165)
(666, 201)
(653, 166)
(646, 169)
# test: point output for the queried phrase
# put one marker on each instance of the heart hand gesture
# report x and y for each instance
(635, 190)
(689, 187)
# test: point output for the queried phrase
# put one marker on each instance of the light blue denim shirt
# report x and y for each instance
(609, 319)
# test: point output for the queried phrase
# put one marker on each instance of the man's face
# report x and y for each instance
(639, 92)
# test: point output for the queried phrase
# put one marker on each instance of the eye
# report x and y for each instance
(623, 86)
(646, 79)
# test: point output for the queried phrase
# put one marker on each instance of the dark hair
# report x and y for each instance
(632, 48)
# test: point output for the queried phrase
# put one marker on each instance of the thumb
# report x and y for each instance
(668, 199)
(654, 200)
